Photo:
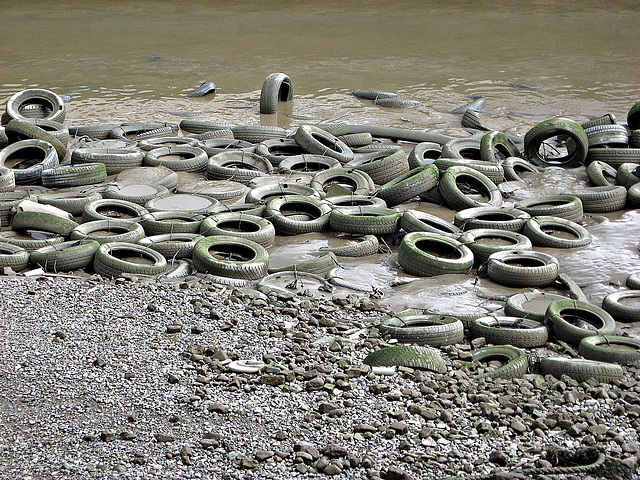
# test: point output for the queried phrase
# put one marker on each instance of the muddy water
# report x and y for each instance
(135, 61)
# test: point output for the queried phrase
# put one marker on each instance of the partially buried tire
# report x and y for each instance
(115, 258)
(463, 187)
(433, 330)
(514, 331)
(514, 361)
(611, 349)
(276, 88)
(231, 257)
(71, 255)
(365, 220)
(581, 370)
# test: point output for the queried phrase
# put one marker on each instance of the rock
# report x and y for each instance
(518, 427)
(273, 380)
(332, 469)
(498, 458)
(218, 408)
(262, 455)
(163, 438)
(108, 436)
(100, 362)
(394, 473)
(281, 435)
(185, 455)
(127, 435)
(333, 450)
(400, 428)
(175, 328)
(306, 447)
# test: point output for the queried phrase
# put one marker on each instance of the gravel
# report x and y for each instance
(128, 379)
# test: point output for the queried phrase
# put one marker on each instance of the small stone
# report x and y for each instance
(129, 375)
(399, 428)
(332, 469)
(246, 462)
(394, 473)
(175, 328)
(631, 462)
(153, 307)
(107, 436)
(281, 435)
(273, 380)
(478, 343)
(262, 455)
(333, 450)
(498, 458)
(99, 362)
(163, 438)
(218, 408)
(185, 455)
(127, 435)
(518, 427)
(61, 334)
(172, 379)
(197, 330)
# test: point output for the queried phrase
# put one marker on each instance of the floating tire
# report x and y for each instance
(276, 88)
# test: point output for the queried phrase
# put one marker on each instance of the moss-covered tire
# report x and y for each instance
(74, 175)
(34, 128)
(382, 166)
(362, 247)
(602, 199)
(320, 265)
(179, 158)
(513, 167)
(492, 170)
(427, 254)
(455, 182)
(424, 358)
(514, 361)
(30, 243)
(628, 174)
(499, 218)
(409, 185)
(601, 174)
(161, 223)
(581, 370)
(231, 257)
(611, 349)
(307, 163)
(514, 331)
(265, 193)
(468, 148)
(47, 222)
(239, 224)
(522, 268)
(106, 208)
(417, 221)
(115, 258)
(106, 231)
(542, 233)
(573, 320)
(433, 330)
(365, 220)
(562, 206)
(484, 242)
(315, 140)
(616, 305)
(297, 214)
(570, 135)
(172, 246)
(66, 256)
(496, 147)
(348, 179)
(424, 153)
(115, 160)
(13, 256)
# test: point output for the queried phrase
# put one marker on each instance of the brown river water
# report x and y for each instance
(135, 61)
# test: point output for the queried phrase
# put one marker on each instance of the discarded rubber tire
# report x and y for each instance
(115, 160)
(72, 202)
(354, 140)
(633, 281)
(633, 196)
(27, 159)
(492, 170)
(430, 254)
(601, 174)
(113, 259)
(602, 199)
(7, 180)
(51, 105)
(614, 156)
(277, 150)
(409, 185)
(515, 362)
(356, 201)
(615, 305)
(106, 231)
(31, 243)
(231, 257)
(247, 208)
(172, 246)
(496, 147)
(573, 137)
(257, 133)
(562, 206)
(628, 174)
(417, 221)
(13, 256)
(424, 153)
(47, 222)
(573, 320)
(297, 214)
(196, 204)
(153, 143)
(484, 242)
(364, 246)
(540, 231)
(180, 158)
(238, 224)
(365, 220)
(455, 179)
(310, 163)
(432, 330)
(238, 166)
(498, 218)
(33, 129)
(382, 166)
(276, 88)
(468, 148)
(162, 223)
(424, 358)
(515, 331)
(66, 256)
(107, 208)
(522, 268)
(74, 175)
(348, 179)
(315, 140)
(581, 370)
(135, 193)
(265, 193)
(611, 349)
(514, 166)
(530, 305)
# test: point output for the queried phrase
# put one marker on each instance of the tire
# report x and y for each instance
(634, 139)
(13, 256)
(373, 94)
(482, 250)
(315, 140)
(471, 119)
(74, 175)
(140, 131)
(424, 153)
(633, 196)
(618, 310)
(540, 231)
(365, 220)
(160, 223)
(498, 218)
(172, 246)
(222, 145)
(307, 215)
(189, 158)
(515, 268)
(51, 105)
(202, 126)
(454, 178)
(279, 149)
(430, 254)
(71, 202)
(633, 117)
(109, 261)
(348, 180)
(601, 174)
(567, 318)
(33, 129)
(307, 163)
(27, 159)
(382, 166)
(29, 243)
(353, 140)
(561, 206)
(106, 231)
(115, 160)
(633, 281)
(266, 193)
(515, 331)
(276, 87)
(320, 265)
(46, 222)
(492, 170)
(497, 147)
(246, 259)
(396, 102)
(409, 185)
(216, 189)
(364, 246)
(602, 199)
(153, 143)
(530, 305)
(417, 221)
(606, 119)
(109, 209)
(514, 166)
(94, 132)
(516, 361)
(611, 349)
(7, 180)
(241, 225)
(247, 208)
(257, 133)
(238, 166)
(468, 148)
(67, 256)
(424, 358)
(614, 135)
(614, 157)
(581, 370)
(196, 204)
(356, 201)
(8, 202)
(571, 136)
(432, 330)
(628, 174)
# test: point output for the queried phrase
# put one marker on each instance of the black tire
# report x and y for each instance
(614, 156)
(454, 179)
(514, 331)
(315, 140)
(425, 358)
(382, 166)
(46, 222)
(297, 214)
(424, 153)
(105, 209)
(581, 370)
(611, 349)
(216, 189)
(231, 257)
(633, 117)
(113, 259)
(530, 305)
(517, 268)
(561, 206)
(432, 330)
(365, 220)
(430, 254)
(180, 158)
(94, 132)
(542, 233)
(51, 106)
(115, 160)
(571, 137)
(373, 94)
(613, 135)
(13, 256)
(277, 150)
(33, 129)
(601, 174)
(492, 170)
(162, 223)
(496, 147)
(602, 199)
(72, 202)
(27, 159)
(515, 362)
(633, 196)
(106, 231)
(172, 246)
(484, 242)
(276, 88)
(514, 166)
(348, 180)
(67, 256)
(241, 225)
(417, 221)
(307, 163)
(628, 174)
(247, 208)
(74, 175)
(221, 145)
(471, 119)
(573, 320)
(364, 246)
(498, 218)
(615, 305)
(238, 166)
(266, 193)
(468, 148)
(202, 126)
(409, 185)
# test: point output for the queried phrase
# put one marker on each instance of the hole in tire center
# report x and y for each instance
(470, 153)
(308, 167)
(471, 186)
(116, 211)
(24, 158)
(527, 262)
(344, 182)
(630, 302)
(132, 256)
(438, 249)
(292, 209)
(285, 150)
(175, 157)
(555, 149)
(108, 233)
(495, 241)
(582, 318)
(495, 217)
(234, 253)
(326, 142)
(559, 231)
(238, 226)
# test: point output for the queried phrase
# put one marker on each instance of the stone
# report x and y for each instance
(400, 428)
(395, 473)
(333, 450)
(218, 408)
(163, 438)
(332, 469)
(498, 458)
(262, 455)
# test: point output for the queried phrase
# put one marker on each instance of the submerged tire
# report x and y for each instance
(429, 254)
(573, 320)
(426, 358)
(433, 330)
(115, 258)
(276, 88)
(231, 257)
